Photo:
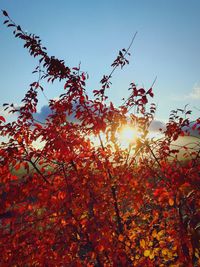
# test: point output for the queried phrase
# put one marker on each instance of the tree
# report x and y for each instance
(81, 202)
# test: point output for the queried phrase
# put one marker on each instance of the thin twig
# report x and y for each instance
(127, 50)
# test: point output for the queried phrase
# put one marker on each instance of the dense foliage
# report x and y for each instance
(83, 199)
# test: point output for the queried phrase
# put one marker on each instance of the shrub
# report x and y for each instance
(83, 198)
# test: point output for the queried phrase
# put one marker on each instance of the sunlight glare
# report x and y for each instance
(127, 136)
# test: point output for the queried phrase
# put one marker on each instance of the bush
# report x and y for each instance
(83, 197)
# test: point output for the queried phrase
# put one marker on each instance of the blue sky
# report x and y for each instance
(167, 46)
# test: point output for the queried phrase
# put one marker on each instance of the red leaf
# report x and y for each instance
(144, 100)
(141, 91)
(2, 119)
(38, 125)
(111, 106)
(150, 92)
(17, 167)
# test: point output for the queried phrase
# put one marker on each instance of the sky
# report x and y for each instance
(92, 32)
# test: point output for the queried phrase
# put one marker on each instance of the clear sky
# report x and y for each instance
(167, 46)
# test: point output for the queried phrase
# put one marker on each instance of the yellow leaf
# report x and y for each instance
(83, 216)
(156, 251)
(169, 254)
(137, 257)
(171, 202)
(150, 244)
(151, 256)
(147, 253)
(161, 233)
(164, 251)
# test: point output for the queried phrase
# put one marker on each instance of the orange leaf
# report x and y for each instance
(171, 202)
(121, 238)
(142, 243)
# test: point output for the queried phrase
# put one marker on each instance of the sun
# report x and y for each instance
(127, 136)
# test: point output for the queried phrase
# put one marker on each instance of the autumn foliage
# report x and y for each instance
(83, 199)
